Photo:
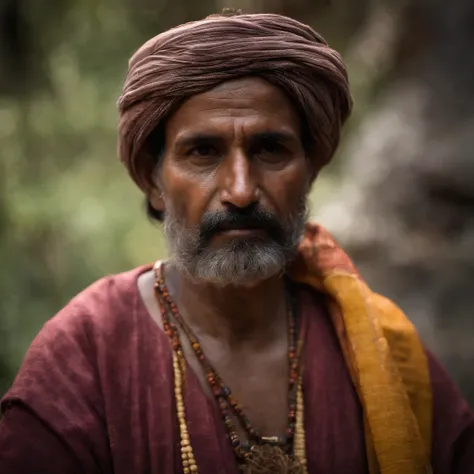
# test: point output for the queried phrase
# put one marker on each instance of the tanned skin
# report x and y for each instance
(235, 145)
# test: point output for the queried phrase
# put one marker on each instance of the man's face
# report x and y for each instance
(234, 179)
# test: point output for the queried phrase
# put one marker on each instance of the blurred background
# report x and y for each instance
(399, 195)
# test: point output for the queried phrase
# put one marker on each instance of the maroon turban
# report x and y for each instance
(197, 56)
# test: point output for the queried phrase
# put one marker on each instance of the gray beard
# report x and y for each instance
(239, 262)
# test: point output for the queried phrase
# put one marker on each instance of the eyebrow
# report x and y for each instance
(272, 136)
(275, 136)
(197, 138)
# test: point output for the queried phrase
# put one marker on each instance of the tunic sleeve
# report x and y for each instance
(28, 445)
(453, 425)
(54, 420)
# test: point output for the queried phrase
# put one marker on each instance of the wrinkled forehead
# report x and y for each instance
(191, 59)
(246, 105)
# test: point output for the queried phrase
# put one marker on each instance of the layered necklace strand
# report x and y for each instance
(294, 436)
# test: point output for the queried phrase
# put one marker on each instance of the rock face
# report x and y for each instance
(404, 209)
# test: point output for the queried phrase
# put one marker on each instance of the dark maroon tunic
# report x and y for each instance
(95, 395)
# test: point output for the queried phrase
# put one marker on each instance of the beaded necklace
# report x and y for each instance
(226, 402)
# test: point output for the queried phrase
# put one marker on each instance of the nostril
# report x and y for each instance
(240, 200)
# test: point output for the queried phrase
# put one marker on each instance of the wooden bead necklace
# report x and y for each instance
(294, 439)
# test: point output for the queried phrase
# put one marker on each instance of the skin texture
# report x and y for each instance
(221, 152)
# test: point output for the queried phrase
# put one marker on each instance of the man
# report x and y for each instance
(257, 348)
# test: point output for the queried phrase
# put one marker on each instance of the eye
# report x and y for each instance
(273, 147)
(204, 150)
(272, 150)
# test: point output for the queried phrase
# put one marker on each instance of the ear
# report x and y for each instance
(155, 198)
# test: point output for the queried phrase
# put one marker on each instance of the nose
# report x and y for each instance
(239, 186)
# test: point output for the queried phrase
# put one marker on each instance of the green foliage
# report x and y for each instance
(69, 213)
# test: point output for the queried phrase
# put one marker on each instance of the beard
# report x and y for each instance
(239, 261)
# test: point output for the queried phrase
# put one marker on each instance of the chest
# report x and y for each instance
(141, 409)
(257, 381)
(332, 414)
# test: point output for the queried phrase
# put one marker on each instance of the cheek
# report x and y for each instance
(287, 188)
(187, 195)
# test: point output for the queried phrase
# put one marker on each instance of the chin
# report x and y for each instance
(238, 268)
(239, 263)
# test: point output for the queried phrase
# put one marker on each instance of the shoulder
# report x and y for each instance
(66, 350)
(97, 307)
(436, 399)
(404, 342)
(446, 395)
(453, 423)
(61, 381)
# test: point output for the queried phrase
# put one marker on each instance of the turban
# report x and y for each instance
(192, 58)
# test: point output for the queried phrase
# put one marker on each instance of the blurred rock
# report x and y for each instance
(405, 206)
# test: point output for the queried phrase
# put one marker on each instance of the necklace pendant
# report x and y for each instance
(271, 439)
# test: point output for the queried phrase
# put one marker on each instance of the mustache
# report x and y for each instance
(248, 218)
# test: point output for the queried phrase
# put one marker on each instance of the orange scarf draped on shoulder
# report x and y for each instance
(383, 353)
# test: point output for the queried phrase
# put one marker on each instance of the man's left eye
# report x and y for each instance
(272, 151)
(273, 148)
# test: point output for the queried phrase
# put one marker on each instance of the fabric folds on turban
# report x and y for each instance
(197, 56)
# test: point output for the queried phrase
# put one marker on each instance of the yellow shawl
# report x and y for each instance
(383, 353)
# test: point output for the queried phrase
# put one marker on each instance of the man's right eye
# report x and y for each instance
(203, 150)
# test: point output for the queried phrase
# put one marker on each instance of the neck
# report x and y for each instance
(235, 314)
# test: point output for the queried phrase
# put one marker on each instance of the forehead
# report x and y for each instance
(251, 103)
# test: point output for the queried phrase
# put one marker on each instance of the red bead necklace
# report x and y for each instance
(223, 395)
